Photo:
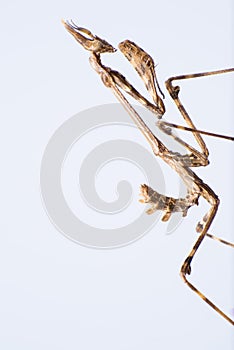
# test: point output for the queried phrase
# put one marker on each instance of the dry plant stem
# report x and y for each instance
(181, 163)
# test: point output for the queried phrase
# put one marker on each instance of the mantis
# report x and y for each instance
(181, 163)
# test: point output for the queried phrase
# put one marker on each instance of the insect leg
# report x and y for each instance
(220, 240)
(202, 228)
(174, 93)
(172, 125)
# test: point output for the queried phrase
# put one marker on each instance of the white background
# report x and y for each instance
(54, 293)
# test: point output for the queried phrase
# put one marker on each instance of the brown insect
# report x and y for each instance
(181, 163)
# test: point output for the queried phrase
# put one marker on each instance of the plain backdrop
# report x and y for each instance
(55, 294)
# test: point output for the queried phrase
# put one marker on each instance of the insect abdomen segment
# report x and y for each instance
(167, 204)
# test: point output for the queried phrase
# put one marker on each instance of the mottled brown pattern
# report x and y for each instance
(181, 163)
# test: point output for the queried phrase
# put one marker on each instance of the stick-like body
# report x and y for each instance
(181, 163)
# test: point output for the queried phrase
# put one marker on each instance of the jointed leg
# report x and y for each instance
(145, 67)
(195, 158)
(209, 302)
(124, 84)
(220, 240)
(174, 92)
(186, 268)
(172, 125)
